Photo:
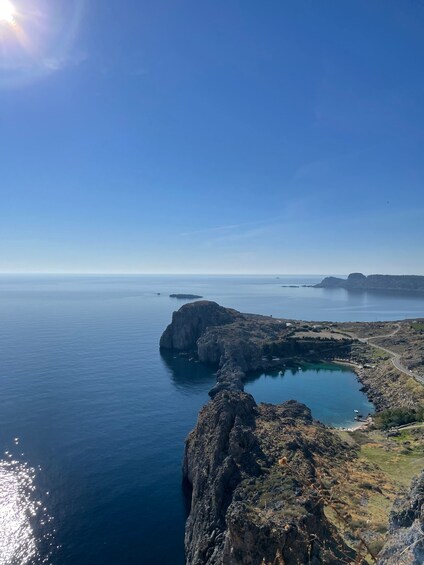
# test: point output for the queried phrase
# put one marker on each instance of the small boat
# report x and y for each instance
(356, 411)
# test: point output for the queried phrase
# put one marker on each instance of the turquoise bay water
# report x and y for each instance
(332, 392)
(93, 419)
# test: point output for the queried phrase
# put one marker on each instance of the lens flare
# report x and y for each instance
(37, 39)
(7, 12)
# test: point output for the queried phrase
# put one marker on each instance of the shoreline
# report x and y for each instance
(356, 368)
(358, 426)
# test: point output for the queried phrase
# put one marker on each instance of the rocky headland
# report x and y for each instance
(267, 483)
(358, 281)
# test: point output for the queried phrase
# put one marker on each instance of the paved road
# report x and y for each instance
(395, 357)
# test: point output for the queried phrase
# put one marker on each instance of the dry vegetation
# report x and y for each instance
(357, 483)
(367, 486)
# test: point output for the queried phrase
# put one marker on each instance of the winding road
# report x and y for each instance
(395, 357)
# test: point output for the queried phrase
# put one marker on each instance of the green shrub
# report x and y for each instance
(376, 546)
(398, 417)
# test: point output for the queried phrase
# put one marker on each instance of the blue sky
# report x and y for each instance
(212, 137)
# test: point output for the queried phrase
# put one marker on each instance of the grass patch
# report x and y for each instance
(413, 434)
(378, 354)
(415, 388)
(397, 464)
(367, 486)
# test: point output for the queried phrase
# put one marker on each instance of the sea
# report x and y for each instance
(93, 418)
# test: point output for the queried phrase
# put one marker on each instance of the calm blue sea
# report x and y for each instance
(331, 391)
(93, 419)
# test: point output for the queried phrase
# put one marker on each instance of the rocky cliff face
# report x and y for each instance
(253, 474)
(221, 441)
(191, 320)
(219, 345)
(406, 542)
(225, 337)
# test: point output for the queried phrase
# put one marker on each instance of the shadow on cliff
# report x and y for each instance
(189, 377)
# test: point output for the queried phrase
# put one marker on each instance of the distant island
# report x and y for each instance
(358, 281)
(185, 296)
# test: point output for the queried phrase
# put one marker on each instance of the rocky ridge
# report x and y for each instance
(252, 470)
(259, 476)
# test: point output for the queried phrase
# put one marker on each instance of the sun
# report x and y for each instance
(7, 12)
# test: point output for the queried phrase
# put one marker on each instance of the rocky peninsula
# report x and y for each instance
(267, 483)
(358, 281)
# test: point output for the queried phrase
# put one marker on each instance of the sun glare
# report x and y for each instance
(7, 12)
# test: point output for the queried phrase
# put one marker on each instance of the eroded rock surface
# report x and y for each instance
(405, 545)
(191, 320)
(255, 491)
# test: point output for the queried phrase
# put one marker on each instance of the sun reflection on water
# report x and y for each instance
(25, 524)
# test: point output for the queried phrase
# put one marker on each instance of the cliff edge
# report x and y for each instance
(191, 320)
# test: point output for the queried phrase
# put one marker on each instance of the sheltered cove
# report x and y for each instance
(267, 483)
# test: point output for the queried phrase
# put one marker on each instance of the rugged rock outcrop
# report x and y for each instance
(221, 441)
(191, 320)
(405, 545)
(236, 342)
(232, 343)
(229, 377)
(255, 493)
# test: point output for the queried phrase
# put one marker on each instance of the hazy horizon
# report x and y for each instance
(194, 274)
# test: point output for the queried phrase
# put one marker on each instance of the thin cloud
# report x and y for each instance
(59, 63)
(49, 63)
(214, 229)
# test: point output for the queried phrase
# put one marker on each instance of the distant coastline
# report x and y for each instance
(358, 281)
